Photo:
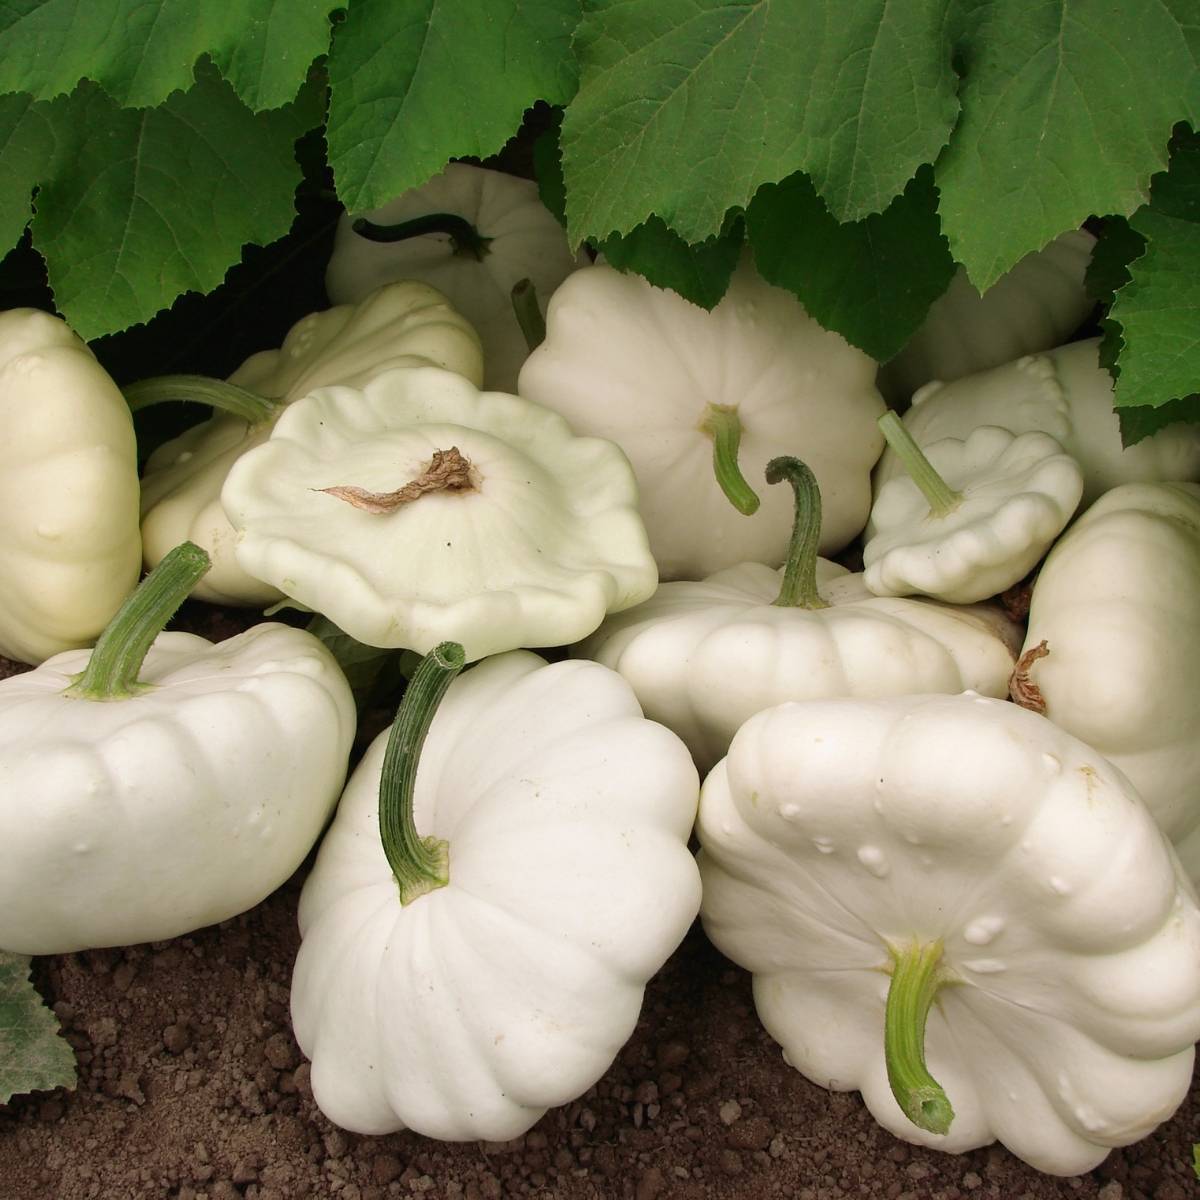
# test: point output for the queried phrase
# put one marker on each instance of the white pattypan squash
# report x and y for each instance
(472, 233)
(704, 657)
(163, 791)
(972, 518)
(678, 389)
(69, 544)
(1065, 393)
(420, 509)
(462, 982)
(403, 324)
(1036, 306)
(1117, 606)
(964, 913)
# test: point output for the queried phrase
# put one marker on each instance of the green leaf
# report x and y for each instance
(363, 666)
(137, 207)
(1142, 422)
(417, 82)
(33, 1058)
(140, 51)
(268, 58)
(1157, 313)
(1111, 345)
(28, 148)
(1196, 1160)
(873, 280)
(1108, 268)
(699, 273)
(1067, 110)
(547, 166)
(686, 106)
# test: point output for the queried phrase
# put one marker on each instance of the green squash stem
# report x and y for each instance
(722, 424)
(113, 669)
(916, 977)
(528, 314)
(466, 241)
(799, 587)
(943, 499)
(199, 389)
(419, 864)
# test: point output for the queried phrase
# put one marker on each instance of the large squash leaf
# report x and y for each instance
(33, 1058)
(686, 106)
(1067, 107)
(872, 280)
(140, 51)
(135, 207)
(417, 82)
(1154, 322)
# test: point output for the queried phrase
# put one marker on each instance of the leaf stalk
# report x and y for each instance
(722, 424)
(528, 313)
(917, 974)
(419, 864)
(200, 389)
(799, 587)
(116, 662)
(466, 241)
(943, 499)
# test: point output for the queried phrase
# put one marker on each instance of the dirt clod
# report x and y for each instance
(177, 1038)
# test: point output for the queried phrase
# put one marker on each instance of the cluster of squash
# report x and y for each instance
(967, 910)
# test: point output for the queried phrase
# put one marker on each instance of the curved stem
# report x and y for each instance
(721, 423)
(916, 978)
(1021, 688)
(446, 471)
(799, 587)
(943, 499)
(529, 315)
(216, 393)
(419, 864)
(466, 240)
(112, 671)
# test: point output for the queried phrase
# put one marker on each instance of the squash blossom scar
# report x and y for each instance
(447, 471)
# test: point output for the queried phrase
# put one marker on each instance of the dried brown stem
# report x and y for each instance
(447, 471)
(1021, 688)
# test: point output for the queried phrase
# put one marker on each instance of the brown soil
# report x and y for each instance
(191, 1087)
